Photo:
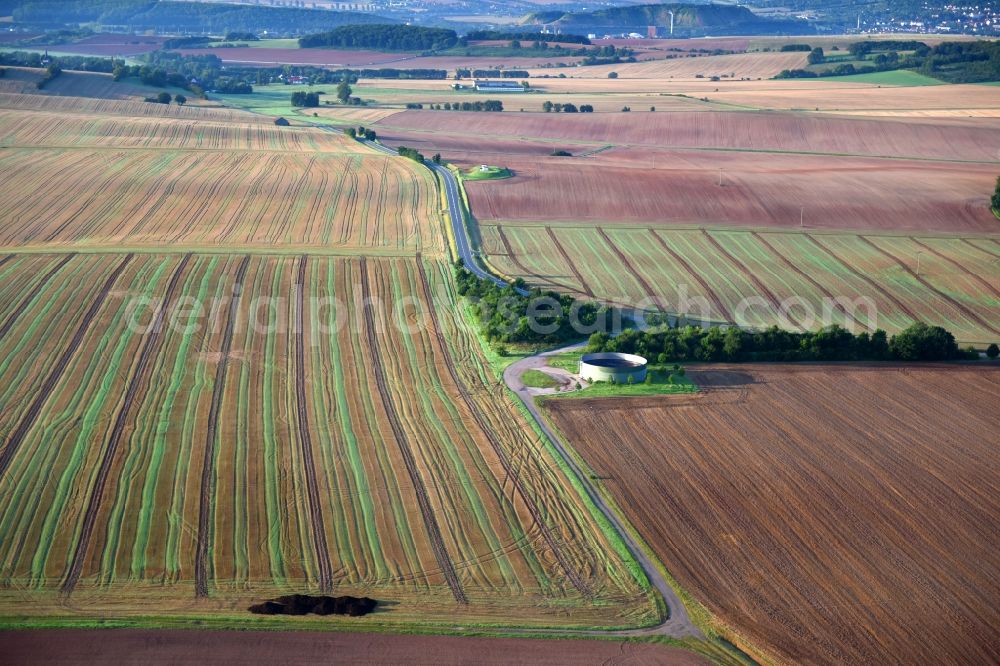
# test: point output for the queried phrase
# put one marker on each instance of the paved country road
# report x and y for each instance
(679, 624)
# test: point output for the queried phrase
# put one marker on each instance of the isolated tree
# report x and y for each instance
(180, 99)
(437, 158)
(626, 109)
(996, 197)
(993, 351)
(344, 92)
(164, 98)
(612, 75)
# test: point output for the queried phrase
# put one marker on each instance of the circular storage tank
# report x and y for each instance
(612, 366)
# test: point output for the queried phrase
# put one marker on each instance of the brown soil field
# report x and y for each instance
(689, 66)
(904, 101)
(775, 131)
(769, 190)
(825, 514)
(126, 646)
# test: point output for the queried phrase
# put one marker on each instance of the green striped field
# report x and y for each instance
(295, 440)
(789, 277)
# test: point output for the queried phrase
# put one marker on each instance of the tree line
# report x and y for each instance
(549, 107)
(510, 314)
(497, 35)
(954, 62)
(919, 342)
(384, 37)
(462, 73)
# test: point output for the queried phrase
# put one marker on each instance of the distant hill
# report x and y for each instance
(689, 20)
(181, 17)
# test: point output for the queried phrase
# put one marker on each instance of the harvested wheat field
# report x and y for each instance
(210, 183)
(208, 431)
(793, 279)
(824, 514)
(669, 187)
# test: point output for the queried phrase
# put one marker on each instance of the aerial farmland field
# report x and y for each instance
(827, 514)
(296, 458)
(152, 181)
(233, 371)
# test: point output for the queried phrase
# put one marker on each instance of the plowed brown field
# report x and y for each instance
(769, 131)
(772, 190)
(826, 514)
(195, 647)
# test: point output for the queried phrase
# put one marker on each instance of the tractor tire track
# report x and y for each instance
(760, 286)
(569, 262)
(726, 315)
(381, 383)
(28, 418)
(631, 269)
(983, 283)
(305, 439)
(808, 278)
(981, 249)
(961, 307)
(514, 257)
(208, 465)
(871, 283)
(498, 448)
(26, 301)
(136, 386)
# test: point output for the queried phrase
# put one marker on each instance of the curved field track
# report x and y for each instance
(826, 514)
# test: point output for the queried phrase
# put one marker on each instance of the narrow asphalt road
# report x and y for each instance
(679, 624)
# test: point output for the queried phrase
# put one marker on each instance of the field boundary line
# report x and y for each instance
(419, 488)
(28, 419)
(134, 387)
(208, 465)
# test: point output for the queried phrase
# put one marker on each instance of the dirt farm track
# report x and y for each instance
(826, 514)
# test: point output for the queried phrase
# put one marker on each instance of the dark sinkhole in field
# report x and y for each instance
(303, 604)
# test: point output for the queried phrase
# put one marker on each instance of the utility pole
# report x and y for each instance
(919, 254)
(802, 218)
(720, 177)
